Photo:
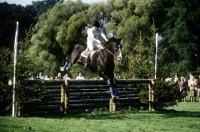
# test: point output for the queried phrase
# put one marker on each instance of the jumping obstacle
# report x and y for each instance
(86, 95)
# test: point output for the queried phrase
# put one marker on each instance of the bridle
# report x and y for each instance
(108, 50)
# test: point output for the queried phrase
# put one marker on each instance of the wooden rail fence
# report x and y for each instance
(86, 95)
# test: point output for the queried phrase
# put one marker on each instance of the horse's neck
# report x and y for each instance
(109, 51)
(110, 47)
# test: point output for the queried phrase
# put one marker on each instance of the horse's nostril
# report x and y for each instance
(119, 58)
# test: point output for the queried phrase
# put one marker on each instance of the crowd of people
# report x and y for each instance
(42, 76)
(189, 87)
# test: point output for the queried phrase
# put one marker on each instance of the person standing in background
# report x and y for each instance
(191, 84)
(198, 88)
(80, 76)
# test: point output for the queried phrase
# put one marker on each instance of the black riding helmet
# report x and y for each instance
(96, 24)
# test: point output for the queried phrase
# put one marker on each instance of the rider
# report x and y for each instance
(93, 39)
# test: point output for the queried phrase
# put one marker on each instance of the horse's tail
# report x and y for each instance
(67, 58)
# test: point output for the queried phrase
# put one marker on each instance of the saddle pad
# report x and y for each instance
(85, 54)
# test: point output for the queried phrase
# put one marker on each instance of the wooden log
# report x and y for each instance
(66, 102)
(62, 98)
(151, 97)
(112, 105)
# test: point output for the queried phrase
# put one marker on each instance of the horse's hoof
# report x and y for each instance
(67, 69)
(61, 69)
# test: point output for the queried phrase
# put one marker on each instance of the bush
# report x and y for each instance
(165, 95)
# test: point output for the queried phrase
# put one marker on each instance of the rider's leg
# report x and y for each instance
(87, 61)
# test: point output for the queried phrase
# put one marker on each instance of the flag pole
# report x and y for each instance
(15, 62)
(156, 54)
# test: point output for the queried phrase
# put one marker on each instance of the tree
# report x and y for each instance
(56, 31)
(6, 69)
(179, 26)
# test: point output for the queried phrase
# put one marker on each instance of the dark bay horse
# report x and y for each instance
(102, 62)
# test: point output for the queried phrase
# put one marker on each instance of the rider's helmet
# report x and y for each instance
(96, 24)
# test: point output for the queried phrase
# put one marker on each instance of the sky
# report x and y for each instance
(25, 2)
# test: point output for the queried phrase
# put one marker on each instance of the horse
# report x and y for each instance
(102, 62)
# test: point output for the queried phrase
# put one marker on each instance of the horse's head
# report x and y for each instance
(115, 47)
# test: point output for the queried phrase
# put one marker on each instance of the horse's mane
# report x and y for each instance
(113, 39)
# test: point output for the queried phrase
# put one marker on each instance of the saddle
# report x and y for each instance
(92, 54)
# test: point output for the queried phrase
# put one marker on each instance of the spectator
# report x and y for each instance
(100, 78)
(59, 75)
(51, 78)
(56, 77)
(31, 77)
(41, 76)
(80, 77)
(182, 86)
(191, 84)
(46, 77)
(176, 78)
(168, 79)
(198, 87)
(66, 77)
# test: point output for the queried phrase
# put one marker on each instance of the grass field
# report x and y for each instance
(183, 118)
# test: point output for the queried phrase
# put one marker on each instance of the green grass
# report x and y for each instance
(183, 118)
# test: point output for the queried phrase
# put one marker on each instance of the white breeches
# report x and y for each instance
(92, 44)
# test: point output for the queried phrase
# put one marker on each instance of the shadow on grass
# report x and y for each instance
(122, 115)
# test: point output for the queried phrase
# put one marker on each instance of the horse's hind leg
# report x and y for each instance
(69, 66)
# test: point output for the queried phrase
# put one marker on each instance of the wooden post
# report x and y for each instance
(151, 97)
(17, 110)
(112, 105)
(62, 98)
(66, 102)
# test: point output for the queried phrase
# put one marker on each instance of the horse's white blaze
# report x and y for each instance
(119, 56)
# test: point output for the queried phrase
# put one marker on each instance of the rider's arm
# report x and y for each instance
(103, 35)
(91, 36)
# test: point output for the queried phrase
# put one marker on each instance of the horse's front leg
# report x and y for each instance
(111, 83)
(113, 87)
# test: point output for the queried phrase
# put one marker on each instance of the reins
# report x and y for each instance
(108, 50)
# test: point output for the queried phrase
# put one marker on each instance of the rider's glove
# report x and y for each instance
(98, 41)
